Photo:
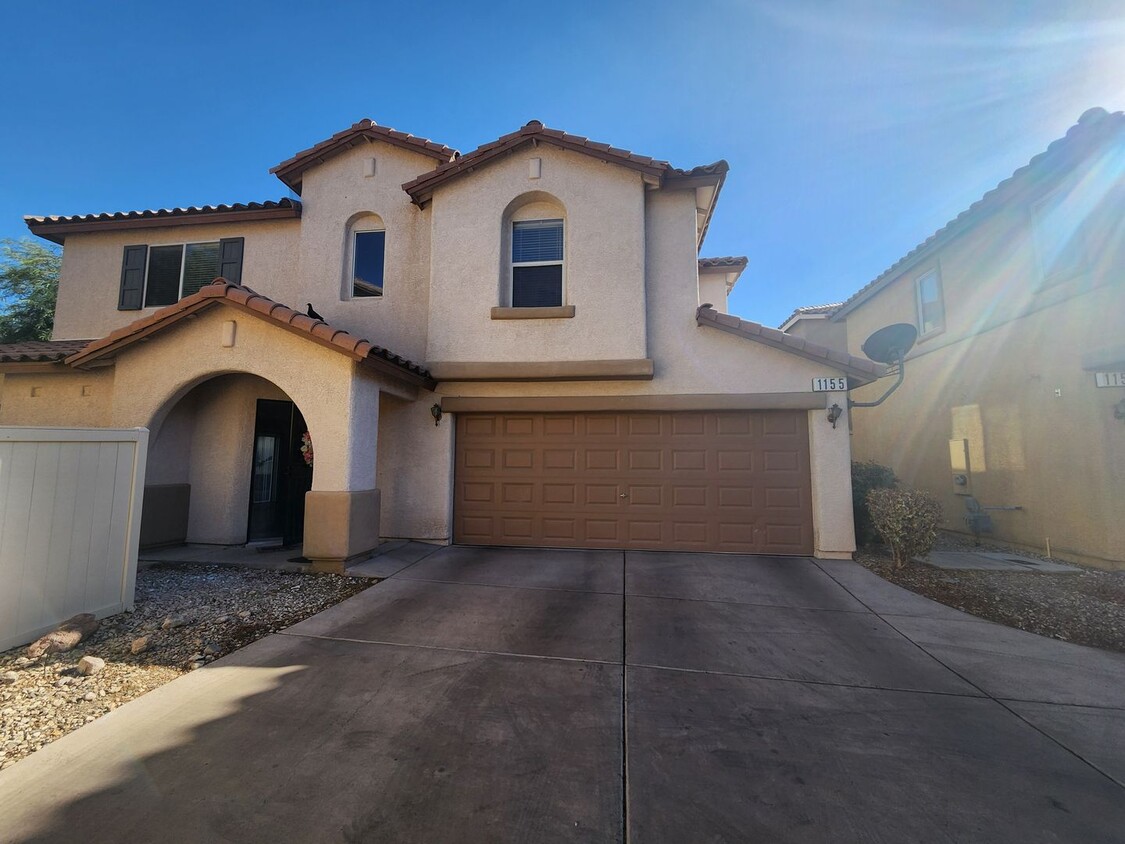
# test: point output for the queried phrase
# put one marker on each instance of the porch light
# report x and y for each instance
(435, 412)
(834, 413)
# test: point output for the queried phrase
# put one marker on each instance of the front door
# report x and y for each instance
(280, 476)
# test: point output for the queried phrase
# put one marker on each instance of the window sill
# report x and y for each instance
(561, 312)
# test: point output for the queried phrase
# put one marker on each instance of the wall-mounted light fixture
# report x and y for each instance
(435, 412)
(834, 413)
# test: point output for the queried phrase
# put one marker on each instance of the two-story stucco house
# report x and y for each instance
(1014, 395)
(515, 346)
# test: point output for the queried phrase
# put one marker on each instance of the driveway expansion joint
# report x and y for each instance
(445, 648)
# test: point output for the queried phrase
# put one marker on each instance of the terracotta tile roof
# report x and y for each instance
(1093, 129)
(861, 370)
(292, 169)
(222, 292)
(57, 227)
(39, 351)
(810, 310)
(728, 263)
(655, 170)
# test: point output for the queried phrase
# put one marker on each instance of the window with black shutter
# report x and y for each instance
(537, 263)
(155, 276)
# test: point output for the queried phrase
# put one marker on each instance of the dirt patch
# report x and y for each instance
(1086, 608)
(190, 615)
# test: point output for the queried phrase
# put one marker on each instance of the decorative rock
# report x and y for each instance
(64, 681)
(23, 660)
(89, 696)
(222, 619)
(140, 644)
(65, 636)
(90, 665)
(174, 621)
(8, 677)
(211, 650)
(244, 614)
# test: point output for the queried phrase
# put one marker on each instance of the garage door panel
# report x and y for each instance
(731, 481)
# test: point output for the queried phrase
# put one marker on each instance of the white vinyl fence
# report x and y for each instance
(70, 519)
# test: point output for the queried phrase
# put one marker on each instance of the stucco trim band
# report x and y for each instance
(641, 369)
(561, 312)
(593, 404)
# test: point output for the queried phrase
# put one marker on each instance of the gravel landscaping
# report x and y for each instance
(186, 616)
(1086, 608)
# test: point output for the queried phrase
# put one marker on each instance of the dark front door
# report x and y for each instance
(279, 476)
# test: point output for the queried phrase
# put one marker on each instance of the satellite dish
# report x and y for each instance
(890, 344)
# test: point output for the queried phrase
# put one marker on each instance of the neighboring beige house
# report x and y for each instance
(1014, 395)
(511, 349)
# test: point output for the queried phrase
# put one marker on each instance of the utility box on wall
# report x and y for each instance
(959, 466)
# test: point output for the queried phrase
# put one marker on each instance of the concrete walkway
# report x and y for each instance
(481, 695)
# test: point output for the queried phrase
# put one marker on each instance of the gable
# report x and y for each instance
(366, 131)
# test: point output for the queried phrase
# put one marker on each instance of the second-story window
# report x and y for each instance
(178, 271)
(931, 309)
(537, 263)
(368, 248)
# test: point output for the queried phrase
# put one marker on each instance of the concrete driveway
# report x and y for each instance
(483, 695)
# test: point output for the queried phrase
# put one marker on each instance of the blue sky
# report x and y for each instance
(853, 129)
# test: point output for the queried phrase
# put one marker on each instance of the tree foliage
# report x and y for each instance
(29, 283)
(867, 476)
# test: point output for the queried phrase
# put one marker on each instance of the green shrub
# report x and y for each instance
(907, 519)
(866, 477)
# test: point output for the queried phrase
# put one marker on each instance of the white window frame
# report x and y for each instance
(351, 263)
(183, 264)
(513, 264)
(918, 303)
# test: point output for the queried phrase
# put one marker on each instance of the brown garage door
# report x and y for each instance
(731, 481)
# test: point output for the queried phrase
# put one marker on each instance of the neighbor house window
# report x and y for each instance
(931, 310)
(537, 264)
(178, 271)
(368, 249)
(1058, 223)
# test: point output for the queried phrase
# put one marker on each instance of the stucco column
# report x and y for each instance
(342, 509)
(831, 463)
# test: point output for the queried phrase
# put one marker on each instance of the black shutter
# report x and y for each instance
(230, 259)
(132, 279)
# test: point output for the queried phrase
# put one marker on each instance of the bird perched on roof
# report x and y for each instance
(313, 313)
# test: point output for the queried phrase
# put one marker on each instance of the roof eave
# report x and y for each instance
(859, 371)
(57, 232)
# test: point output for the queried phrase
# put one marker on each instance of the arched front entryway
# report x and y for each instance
(230, 462)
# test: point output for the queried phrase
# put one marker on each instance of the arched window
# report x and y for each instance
(365, 257)
(534, 253)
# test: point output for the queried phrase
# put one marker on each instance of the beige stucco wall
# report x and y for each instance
(834, 335)
(90, 280)
(1007, 374)
(415, 469)
(604, 275)
(334, 194)
(62, 398)
(713, 290)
